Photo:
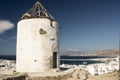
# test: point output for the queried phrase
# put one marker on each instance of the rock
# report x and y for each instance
(83, 75)
(76, 75)
(6, 65)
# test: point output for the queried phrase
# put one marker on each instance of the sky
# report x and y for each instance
(84, 24)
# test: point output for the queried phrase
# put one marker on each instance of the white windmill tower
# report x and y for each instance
(37, 41)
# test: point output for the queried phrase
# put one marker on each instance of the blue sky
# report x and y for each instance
(85, 24)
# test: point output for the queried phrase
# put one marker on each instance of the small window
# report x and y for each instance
(41, 31)
(52, 39)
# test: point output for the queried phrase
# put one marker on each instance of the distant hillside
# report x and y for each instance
(74, 53)
(112, 52)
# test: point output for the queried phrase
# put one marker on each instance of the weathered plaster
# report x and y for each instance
(35, 50)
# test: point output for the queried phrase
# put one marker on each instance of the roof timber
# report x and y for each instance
(37, 11)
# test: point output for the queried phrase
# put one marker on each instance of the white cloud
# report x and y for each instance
(5, 25)
(73, 49)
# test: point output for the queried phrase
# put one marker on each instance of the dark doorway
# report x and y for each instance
(54, 59)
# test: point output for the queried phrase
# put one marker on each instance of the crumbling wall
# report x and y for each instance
(60, 77)
(63, 75)
(15, 77)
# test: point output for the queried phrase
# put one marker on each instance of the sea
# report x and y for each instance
(71, 60)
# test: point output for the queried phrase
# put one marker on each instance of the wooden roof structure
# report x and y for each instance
(37, 11)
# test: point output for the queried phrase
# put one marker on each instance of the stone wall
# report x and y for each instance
(59, 77)
(63, 75)
(15, 77)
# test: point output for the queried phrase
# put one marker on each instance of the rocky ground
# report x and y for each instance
(7, 65)
(108, 76)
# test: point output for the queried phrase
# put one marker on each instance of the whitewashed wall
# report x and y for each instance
(35, 50)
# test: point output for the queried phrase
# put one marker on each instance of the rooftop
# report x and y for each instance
(37, 11)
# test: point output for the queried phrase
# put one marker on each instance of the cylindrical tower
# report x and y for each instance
(37, 41)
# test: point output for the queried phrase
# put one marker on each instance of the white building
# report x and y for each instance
(103, 68)
(37, 41)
